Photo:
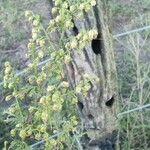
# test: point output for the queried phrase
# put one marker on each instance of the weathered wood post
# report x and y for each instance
(98, 108)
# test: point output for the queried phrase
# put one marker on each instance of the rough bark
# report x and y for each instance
(97, 109)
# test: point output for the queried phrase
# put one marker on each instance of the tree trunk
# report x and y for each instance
(97, 109)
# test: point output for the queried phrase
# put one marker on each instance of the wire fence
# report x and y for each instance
(21, 73)
(131, 31)
(42, 141)
(132, 110)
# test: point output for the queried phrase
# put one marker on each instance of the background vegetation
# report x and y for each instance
(132, 57)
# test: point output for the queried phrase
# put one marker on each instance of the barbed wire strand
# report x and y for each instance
(131, 31)
(42, 141)
(132, 110)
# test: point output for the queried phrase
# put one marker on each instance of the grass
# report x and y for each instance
(133, 61)
(134, 76)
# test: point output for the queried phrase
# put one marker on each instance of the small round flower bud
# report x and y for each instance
(53, 54)
(65, 5)
(7, 64)
(67, 59)
(7, 70)
(31, 45)
(40, 54)
(64, 84)
(51, 23)
(61, 52)
(72, 8)
(29, 132)
(81, 7)
(36, 22)
(42, 128)
(34, 36)
(57, 2)
(87, 7)
(30, 18)
(43, 100)
(8, 98)
(85, 38)
(69, 24)
(39, 80)
(34, 30)
(31, 80)
(43, 75)
(57, 107)
(93, 2)
(42, 43)
(31, 109)
(67, 46)
(58, 19)
(18, 125)
(38, 136)
(23, 134)
(44, 116)
(78, 89)
(13, 132)
(73, 44)
(74, 101)
(30, 65)
(54, 10)
(28, 13)
(10, 85)
(50, 88)
(12, 110)
(52, 142)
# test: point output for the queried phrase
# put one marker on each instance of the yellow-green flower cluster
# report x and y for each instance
(19, 94)
(23, 132)
(58, 101)
(81, 39)
(13, 110)
(8, 76)
(34, 18)
(51, 144)
(85, 84)
(37, 41)
(42, 77)
(64, 13)
(70, 125)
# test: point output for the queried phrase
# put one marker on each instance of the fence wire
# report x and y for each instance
(131, 31)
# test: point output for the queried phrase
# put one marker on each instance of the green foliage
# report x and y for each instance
(11, 21)
(134, 78)
(43, 103)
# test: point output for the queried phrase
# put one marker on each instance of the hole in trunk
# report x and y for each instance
(80, 105)
(97, 45)
(75, 30)
(110, 102)
(90, 116)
